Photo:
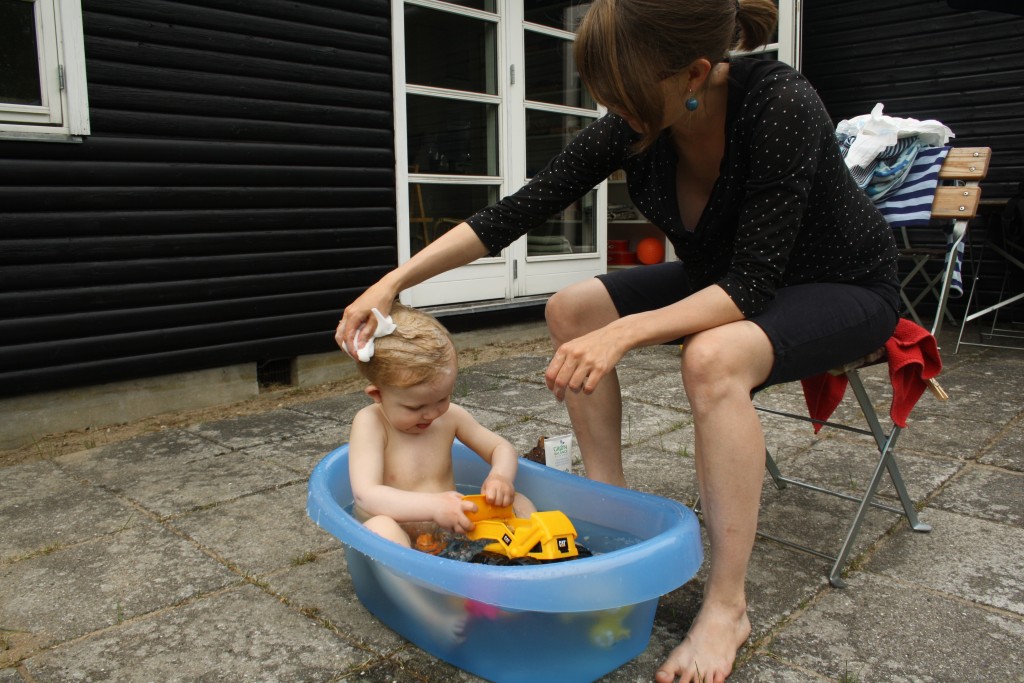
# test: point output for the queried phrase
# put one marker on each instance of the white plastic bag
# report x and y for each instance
(874, 132)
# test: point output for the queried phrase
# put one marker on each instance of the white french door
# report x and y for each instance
(486, 92)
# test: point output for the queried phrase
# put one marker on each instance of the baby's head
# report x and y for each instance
(419, 350)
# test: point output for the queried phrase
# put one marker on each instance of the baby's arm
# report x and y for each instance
(447, 509)
(498, 488)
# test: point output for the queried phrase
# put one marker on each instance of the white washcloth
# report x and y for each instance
(385, 326)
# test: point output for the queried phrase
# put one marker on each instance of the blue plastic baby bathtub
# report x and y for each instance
(566, 621)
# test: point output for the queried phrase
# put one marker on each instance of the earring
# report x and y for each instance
(691, 103)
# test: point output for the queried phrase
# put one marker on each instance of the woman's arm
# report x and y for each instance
(455, 248)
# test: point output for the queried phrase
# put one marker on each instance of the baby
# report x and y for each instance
(400, 446)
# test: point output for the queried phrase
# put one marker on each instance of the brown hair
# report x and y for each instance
(418, 350)
(625, 47)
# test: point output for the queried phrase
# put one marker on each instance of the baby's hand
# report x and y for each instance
(451, 512)
(498, 490)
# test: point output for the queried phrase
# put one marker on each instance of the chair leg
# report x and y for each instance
(886, 444)
(773, 470)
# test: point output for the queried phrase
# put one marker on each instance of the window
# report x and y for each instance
(43, 92)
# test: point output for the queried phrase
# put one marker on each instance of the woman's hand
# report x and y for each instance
(498, 490)
(450, 512)
(580, 364)
(358, 318)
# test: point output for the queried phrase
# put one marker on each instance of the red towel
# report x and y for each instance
(913, 358)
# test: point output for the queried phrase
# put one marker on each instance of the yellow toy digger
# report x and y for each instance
(544, 537)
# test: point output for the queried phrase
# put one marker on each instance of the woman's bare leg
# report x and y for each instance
(596, 418)
(720, 367)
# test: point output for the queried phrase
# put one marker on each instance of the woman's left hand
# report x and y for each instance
(580, 364)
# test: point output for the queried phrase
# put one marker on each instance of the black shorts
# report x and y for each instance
(812, 327)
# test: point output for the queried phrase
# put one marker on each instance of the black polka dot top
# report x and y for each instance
(783, 211)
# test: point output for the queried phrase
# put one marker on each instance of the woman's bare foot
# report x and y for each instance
(708, 651)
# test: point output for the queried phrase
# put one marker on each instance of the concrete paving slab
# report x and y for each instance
(660, 472)
(523, 368)
(881, 630)
(1008, 450)
(56, 597)
(969, 558)
(847, 467)
(518, 399)
(963, 437)
(257, 534)
(986, 493)
(251, 430)
(663, 388)
(677, 440)
(470, 382)
(174, 486)
(641, 421)
(819, 522)
(304, 452)
(762, 669)
(322, 588)
(42, 510)
(340, 408)
(239, 635)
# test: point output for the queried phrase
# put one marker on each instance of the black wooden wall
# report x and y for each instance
(236, 193)
(926, 60)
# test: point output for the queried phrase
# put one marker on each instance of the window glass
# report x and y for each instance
(445, 50)
(551, 75)
(19, 56)
(452, 136)
(547, 134)
(573, 231)
(436, 209)
(562, 15)
(482, 5)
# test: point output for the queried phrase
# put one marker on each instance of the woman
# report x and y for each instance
(786, 268)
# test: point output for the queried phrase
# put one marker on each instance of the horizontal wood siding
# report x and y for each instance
(236, 193)
(924, 60)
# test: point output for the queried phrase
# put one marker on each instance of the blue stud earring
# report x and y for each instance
(691, 103)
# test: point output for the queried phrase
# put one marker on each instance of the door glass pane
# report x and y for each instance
(551, 72)
(19, 61)
(574, 230)
(452, 136)
(547, 134)
(435, 209)
(562, 14)
(571, 232)
(445, 50)
(482, 5)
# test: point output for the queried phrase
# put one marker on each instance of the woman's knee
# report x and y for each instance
(577, 309)
(735, 357)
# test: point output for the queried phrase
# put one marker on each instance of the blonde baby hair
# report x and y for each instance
(419, 349)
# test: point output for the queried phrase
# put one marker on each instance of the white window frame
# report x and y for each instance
(64, 112)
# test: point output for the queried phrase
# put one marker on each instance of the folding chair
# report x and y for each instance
(885, 443)
(959, 203)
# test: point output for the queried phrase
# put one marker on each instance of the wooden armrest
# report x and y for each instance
(966, 163)
(956, 203)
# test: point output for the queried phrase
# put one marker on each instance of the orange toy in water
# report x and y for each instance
(650, 250)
